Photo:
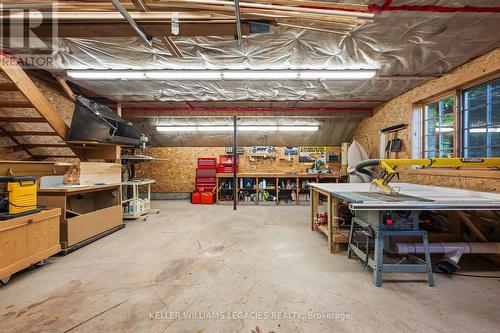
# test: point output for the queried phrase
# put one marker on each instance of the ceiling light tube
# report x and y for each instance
(175, 128)
(298, 128)
(257, 128)
(243, 75)
(244, 128)
(214, 128)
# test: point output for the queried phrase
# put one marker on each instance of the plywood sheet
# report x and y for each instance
(176, 171)
(92, 173)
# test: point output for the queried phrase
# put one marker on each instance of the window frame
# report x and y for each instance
(458, 126)
(423, 120)
(462, 125)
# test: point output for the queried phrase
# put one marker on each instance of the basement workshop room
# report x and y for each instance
(257, 166)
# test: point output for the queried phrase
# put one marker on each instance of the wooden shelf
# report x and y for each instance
(276, 178)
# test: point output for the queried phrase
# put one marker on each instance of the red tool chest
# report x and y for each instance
(205, 180)
(226, 164)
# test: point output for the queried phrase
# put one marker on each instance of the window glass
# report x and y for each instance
(439, 127)
(481, 120)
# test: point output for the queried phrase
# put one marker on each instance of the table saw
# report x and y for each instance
(382, 215)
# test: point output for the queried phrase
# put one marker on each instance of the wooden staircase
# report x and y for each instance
(18, 81)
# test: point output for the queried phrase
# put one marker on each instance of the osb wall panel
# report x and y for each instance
(175, 171)
(62, 104)
(399, 111)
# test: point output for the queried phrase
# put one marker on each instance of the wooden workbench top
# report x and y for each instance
(76, 189)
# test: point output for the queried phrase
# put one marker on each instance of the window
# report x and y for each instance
(471, 130)
(439, 128)
(481, 120)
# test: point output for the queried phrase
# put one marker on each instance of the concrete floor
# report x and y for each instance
(253, 266)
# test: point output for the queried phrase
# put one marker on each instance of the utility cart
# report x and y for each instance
(134, 203)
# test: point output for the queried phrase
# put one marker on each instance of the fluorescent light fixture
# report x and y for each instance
(246, 128)
(257, 128)
(214, 128)
(298, 128)
(108, 75)
(183, 75)
(260, 75)
(244, 75)
(175, 128)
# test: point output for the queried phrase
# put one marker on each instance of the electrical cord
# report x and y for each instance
(469, 275)
(20, 206)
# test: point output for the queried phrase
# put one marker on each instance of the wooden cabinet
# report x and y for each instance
(27, 240)
(88, 213)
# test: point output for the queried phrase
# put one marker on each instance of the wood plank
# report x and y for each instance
(174, 50)
(42, 157)
(470, 224)
(11, 149)
(85, 226)
(26, 168)
(24, 133)
(67, 90)
(317, 4)
(23, 120)
(4, 133)
(44, 145)
(122, 29)
(260, 5)
(7, 86)
(90, 173)
(17, 75)
(15, 104)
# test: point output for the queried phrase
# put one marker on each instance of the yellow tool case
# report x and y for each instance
(19, 198)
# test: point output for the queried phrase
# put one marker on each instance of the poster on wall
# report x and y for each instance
(309, 155)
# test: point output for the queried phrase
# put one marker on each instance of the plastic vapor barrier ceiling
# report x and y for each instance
(401, 45)
(331, 131)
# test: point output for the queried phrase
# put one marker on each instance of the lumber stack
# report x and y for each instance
(305, 14)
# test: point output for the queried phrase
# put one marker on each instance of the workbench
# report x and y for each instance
(27, 240)
(332, 230)
(377, 214)
(302, 196)
(87, 212)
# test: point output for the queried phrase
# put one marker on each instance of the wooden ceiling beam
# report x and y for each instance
(122, 29)
(174, 50)
(132, 4)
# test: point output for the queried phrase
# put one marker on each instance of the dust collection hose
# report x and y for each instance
(361, 168)
(452, 252)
